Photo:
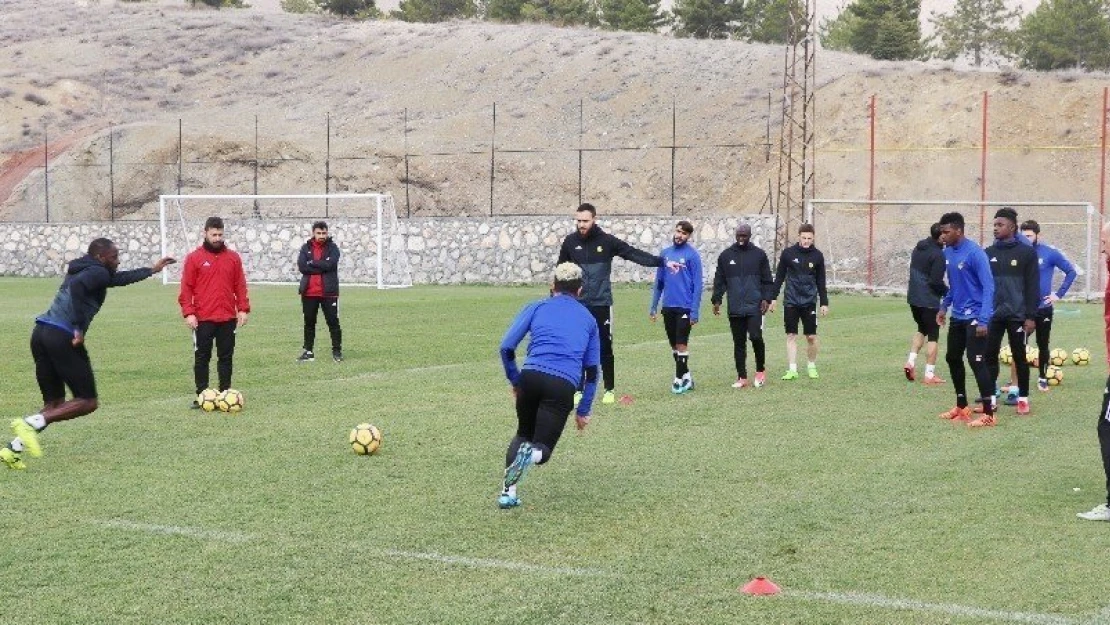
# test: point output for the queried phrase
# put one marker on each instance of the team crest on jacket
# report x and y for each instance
(1013, 262)
(811, 265)
(599, 249)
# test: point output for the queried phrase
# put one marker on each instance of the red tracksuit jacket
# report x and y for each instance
(213, 286)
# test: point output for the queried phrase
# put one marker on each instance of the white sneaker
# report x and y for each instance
(1101, 512)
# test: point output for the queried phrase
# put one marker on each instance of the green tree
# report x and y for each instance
(975, 28)
(350, 8)
(768, 21)
(634, 15)
(707, 19)
(558, 12)
(887, 29)
(836, 33)
(1065, 33)
(434, 10)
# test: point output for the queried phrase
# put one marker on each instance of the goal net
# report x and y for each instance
(867, 244)
(268, 231)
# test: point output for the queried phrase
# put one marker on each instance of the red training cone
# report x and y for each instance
(626, 400)
(760, 586)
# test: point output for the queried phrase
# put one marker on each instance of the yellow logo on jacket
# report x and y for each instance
(1013, 262)
(599, 249)
(811, 265)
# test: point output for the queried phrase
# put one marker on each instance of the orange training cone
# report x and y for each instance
(626, 400)
(760, 586)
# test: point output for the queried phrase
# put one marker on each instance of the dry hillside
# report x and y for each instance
(72, 70)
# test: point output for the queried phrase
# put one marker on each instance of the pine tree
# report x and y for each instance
(1065, 33)
(634, 15)
(836, 33)
(887, 29)
(768, 21)
(433, 10)
(707, 19)
(975, 27)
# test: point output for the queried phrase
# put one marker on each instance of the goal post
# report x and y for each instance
(268, 231)
(867, 243)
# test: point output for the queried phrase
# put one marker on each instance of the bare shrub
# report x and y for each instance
(35, 98)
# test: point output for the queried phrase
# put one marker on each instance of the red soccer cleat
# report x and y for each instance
(985, 421)
(909, 371)
(932, 380)
(957, 414)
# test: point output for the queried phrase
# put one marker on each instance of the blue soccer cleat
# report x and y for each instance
(515, 471)
(1012, 396)
(506, 501)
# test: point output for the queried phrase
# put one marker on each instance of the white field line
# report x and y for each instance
(483, 563)
(174, 530)
(1102, 618)
(879, 601)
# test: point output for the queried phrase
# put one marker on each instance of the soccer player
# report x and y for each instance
(1049, 259)
(318, 263)
(1101, 512)
(744, 273)
(926, 288)
(593, 250)
(1014, 268)
(971, 296)
(58, 345)
(802, 268)
(681, 294)
(214, 303)
(564, 342)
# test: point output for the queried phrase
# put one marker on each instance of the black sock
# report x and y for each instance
(682, 364)
(961, 401)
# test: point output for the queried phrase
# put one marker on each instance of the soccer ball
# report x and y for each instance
(1005, 356)
(230, 400)
(1081, 356)
(1058, 356)
(207, 399)
(1054, 374)
(1032, 355)
(365, 439)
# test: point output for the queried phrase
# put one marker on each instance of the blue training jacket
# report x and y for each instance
(971, 285)
(680, 289)
(564, 341)
(1049, 259)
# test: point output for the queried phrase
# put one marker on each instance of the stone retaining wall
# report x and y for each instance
(439, 250)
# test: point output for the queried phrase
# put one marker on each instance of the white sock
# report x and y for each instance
(687, 376)
(36, 421)
(16, 445)
(537, 455)
(912, 358)
(794, 367)
(930, 371)
(509, 490)
(812, 365)
(1025, 399)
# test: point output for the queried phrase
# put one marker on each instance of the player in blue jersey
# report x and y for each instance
(971, 297)
(1049, 259)
(681, 294)
(802, 269)
(58, 345)
(564, 343)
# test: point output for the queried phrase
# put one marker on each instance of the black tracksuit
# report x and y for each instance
(926, 286)
(594, 253)
(803, 271)
(1016, 297)
(744, 275)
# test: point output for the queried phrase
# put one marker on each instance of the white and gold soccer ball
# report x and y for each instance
(1081, 356)
(1005, 356)
(365, 439)
(231, 400)
(1054, 374)
(1032, 355)
(1058, 356)
(207, 399)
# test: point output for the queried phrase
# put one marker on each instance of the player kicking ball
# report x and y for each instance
(564, 342)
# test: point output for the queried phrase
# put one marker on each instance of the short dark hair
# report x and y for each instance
(214, 223)
(806, 228)
(99, 246)
(1007, 213)
(952, 219)
(589, 208)
(685, 226)
(1031, 224)
(320, 225)
(934, 231)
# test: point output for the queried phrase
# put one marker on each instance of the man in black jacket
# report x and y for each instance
(744, 273)
(1017, 289)
(318, 263)
(594, 250)
(58, 345)
(926, 288)
(802, 269)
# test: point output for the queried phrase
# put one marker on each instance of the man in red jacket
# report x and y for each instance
(318, 262)
(1101, 512)
(214, 302)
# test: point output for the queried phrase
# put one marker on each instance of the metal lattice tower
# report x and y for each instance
(796, 136)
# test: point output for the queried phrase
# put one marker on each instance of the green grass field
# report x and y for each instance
(847, 491)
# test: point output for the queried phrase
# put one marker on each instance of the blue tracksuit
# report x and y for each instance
(564, 341)
(1049, 259)
(681, 289)
(971, 285)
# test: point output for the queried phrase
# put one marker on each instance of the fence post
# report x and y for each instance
(581, 133)
(46, 168)
(983, 176)
(408, 207)
(327, 163)
(871, 198)
(111, 173)
(180, 154)
(492, 152)
(257, 212)
(674, 148)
